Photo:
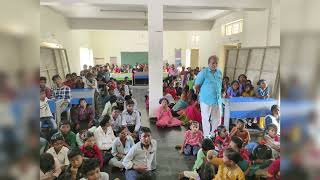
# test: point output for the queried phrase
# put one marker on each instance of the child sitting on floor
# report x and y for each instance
(233, 90)
(75, 157)
(171, 90)
(49, 167)
(104, 135)
(206, 145)
(263, 90)
(58, 151)
(192, 112)
(91, 170)
(131, 118)
(164, 116)
(227, 166)
(241, 131)
(221, 139)
(192, 140)
(272, 140)
(90, 149)
(180, 105)
(69, 136)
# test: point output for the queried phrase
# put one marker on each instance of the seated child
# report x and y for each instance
(237, 145)
(69, 136)
(273, 118)
(69, 81)
(241, 131)
(49, 167)
(192, 112)
(192, 140)
(79, 136)
(272, 140)
(104, 135)
(221, 139)
(131, 118)
(84, 113)
(127, 98)
(263, 90)
(180, 105)
(79, 84)
(171, 90)
(120, 147)
(248, 91)
(274, 170)
(58, 151)
(44, 87)
(108, 106)
(164, 116)
(233, 90)
(91, 170)
(75, 157)
(115, 120)
(227, 166)
(45, 112)
(206, 145)
(90, 149)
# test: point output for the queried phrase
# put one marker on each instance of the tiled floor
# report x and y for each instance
(169, 161)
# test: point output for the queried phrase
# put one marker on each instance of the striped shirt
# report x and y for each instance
(63, 92)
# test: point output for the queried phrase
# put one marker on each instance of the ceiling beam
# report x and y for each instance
(137, 24)
(213, 4)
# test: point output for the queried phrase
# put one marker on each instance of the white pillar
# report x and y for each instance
(155, 29)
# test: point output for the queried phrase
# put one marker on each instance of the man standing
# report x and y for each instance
(209, 83)
(141, 159)
(62, 96)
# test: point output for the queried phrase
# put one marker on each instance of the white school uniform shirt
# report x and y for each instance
(45, 109)
(116, 123)
(140, 156)
(133, 119)
(62, 156)
(118, 147)
(104, 140)
(103, 176)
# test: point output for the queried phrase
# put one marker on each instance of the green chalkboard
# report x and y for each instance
(134, 57)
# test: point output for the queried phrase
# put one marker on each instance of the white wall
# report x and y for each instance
(54, 23)
(106, 44)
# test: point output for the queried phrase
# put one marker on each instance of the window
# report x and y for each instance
(234, 27)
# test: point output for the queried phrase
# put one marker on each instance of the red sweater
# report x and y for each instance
(93, 152)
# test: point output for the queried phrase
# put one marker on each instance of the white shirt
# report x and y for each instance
(118, 147)
(127, 90)
(133, 119)
(104, 140)
(140, 156)
(103, 176)
(62, 156)
(45, 109)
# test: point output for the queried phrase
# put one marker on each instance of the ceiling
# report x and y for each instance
(133, 12)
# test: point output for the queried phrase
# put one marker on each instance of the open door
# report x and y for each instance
(194, 58)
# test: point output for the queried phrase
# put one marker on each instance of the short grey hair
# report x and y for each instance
(214, 57)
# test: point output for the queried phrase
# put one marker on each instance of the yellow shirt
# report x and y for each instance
(248, 94)
(227, 173)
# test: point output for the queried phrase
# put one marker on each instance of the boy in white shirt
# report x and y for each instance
(131, 119)
(104, 134)
(45, 112)
(58, 150)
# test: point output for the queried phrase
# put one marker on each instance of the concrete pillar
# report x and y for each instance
(155, 29)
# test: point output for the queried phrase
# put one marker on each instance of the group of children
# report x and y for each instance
(244, 87)
(234, 155)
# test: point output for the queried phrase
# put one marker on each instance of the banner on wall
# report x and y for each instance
(177, 57)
